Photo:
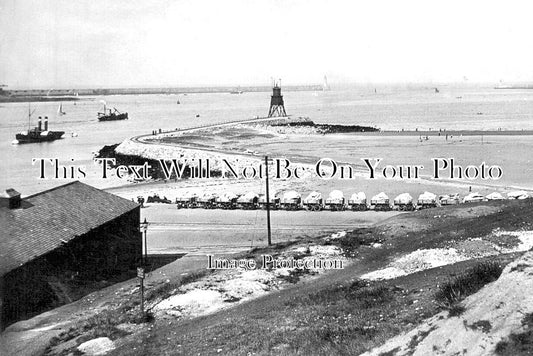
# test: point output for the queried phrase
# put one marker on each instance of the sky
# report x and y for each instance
(146, 43)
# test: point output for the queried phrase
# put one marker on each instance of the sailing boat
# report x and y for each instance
(325, 86)
(60, 110)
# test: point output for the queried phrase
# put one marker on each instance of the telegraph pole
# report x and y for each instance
(268, 203)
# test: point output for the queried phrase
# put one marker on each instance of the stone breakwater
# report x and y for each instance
(155, 152)
(303, 122)
(166, 150)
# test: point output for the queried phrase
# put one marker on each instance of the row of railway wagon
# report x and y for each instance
(292, 200)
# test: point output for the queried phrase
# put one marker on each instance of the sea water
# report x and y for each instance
(386, 107)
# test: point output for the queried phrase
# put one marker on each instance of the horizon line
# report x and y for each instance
(6, 87)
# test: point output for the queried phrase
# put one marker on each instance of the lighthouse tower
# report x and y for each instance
(276, 103)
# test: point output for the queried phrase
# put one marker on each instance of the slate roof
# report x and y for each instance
(50, 218)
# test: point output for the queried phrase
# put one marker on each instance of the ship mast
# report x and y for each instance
(29, 116)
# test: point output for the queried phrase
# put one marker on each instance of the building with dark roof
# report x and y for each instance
(56, 244)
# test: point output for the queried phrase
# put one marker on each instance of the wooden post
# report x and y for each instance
(268, 203)
(2, 296)
(140, 274)
(145, 248)
(144, 230)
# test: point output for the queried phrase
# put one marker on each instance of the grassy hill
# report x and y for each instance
(333, 313)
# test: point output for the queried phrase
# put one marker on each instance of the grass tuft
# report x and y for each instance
(359, 293)
(467, 283)
(456, 310)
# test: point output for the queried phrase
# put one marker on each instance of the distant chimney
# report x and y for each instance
(40, 125)
(10, 199)
(46, 123)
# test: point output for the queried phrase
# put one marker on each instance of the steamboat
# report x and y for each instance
(110, 115)
(39, 133)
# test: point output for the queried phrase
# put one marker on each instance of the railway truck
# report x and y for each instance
(380, 202)
(335, 201)
(494, 196)
(404, 202)
(449, 199)
(186, 201)
(518, 194)
(426, 200)
(473, 198)
(357, 202)
(273, 199)
(313, 202)
(291, 200)
(228, 200)
(207, 201)
(248, 201)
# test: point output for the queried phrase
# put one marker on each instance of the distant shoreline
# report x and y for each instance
(25, 99)
(7, 96)
(448, 133)
(527, 86)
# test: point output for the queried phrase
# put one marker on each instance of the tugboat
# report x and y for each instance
(110, 115)
(38, 134)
